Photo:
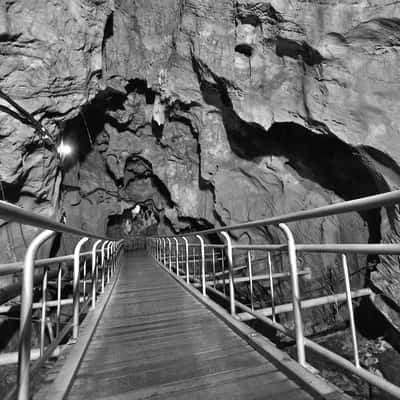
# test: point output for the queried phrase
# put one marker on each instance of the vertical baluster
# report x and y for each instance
(108, 263)
(44, 305)
(202, 265)
(294, 278)
(95, 269)
(271, 285)
(25, 328)
(187, 259)
(75, 289)
(165, 252)
(213, 265)
(194, 262)
(103, 265)
(229, 254)
(59, 287)
(351, 312)
(169, 255)
(250, 268)
(84, 280)
(223, 271)
(176, 255)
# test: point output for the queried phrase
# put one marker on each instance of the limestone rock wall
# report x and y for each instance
(209, 112)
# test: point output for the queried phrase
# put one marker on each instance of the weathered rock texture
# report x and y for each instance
(209, 112)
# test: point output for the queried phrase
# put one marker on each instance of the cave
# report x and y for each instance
(168, 133)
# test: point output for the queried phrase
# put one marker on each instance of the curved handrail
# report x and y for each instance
(12, 268)
(11, 212)
(362, 204)
(291, 248)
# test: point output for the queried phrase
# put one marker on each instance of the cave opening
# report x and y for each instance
(142, 219)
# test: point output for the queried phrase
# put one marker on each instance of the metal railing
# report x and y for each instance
(88, 273)
(213, 268)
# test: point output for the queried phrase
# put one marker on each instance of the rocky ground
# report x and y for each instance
(376, 355)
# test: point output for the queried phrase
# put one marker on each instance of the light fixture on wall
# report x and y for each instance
(64, 149)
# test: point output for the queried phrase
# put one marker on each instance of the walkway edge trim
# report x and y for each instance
(314, 384)
(59, 388)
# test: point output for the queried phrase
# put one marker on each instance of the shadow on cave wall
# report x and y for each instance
(323, 159)
(81, 132)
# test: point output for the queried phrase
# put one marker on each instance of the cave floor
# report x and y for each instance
(155, 340)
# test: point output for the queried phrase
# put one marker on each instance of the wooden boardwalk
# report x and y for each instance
(156, 341)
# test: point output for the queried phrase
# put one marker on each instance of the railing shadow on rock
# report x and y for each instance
(187, 256)
(91, 272)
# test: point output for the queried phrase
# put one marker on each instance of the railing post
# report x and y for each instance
(94, 272)
(44, 305)
(229, 255)
(103, 263)
(169, 255)
(187, 259)
(58, 311)
(250, 267)
(115, 255)
(203, 265)
(108, 262)
(164, 261)
(351, 312)
(301, 357)
(213, 266)
(112, 259)
(177, 255)
(25, 329)
(271, 285)
(75, 288)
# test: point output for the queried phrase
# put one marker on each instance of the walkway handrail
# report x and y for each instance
(292, 249)
(12, 268)
(11, 212)
(362, 204)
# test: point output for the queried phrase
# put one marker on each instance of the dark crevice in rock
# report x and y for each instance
(108, 33)
(10, 192)
(140, 86)
(290, 48)
(244, 49)
(250, 19)
(382, 158)
(196, 224)
(157, 130)
(163, 190)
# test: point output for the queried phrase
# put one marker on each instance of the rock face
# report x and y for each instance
(206, 113)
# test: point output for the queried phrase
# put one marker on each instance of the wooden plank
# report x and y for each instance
(157, 341)
(61, 383)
